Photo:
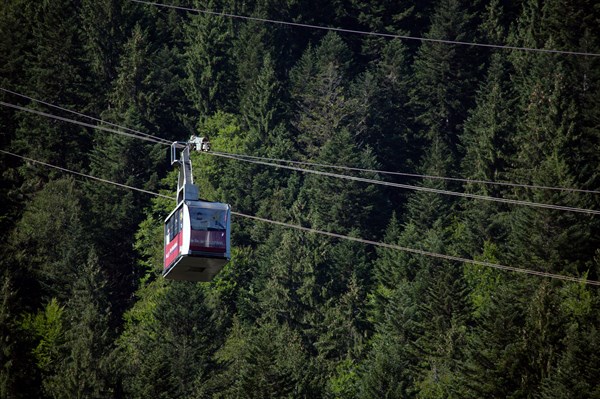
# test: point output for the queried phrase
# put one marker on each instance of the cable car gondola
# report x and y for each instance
(197, 244)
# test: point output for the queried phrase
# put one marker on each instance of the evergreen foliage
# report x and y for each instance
(84, 311)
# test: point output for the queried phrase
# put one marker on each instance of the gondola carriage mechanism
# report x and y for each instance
(197, 244)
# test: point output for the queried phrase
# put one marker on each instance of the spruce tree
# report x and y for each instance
(319, 87)
(113, 212)
(549, 132)
(168, 341)
(207, 67)
(84, 366)
(446, 75)
(266, 360)
(55, 212)
(383, 120)
(55, 73)
(103, 27)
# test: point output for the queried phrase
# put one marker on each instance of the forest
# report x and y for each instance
(485, 98)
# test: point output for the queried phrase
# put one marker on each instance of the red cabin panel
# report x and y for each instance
(172, 250)
(208, 241)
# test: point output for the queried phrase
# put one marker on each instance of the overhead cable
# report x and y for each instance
(84, 115)
(426, 253)
(366, 33)
(85, 175)
(360, 179)
(97, 127)
(321, 165)
(421, 176)
(344, 237)
(411, 187)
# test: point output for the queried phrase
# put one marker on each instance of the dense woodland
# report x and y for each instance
(84, 311)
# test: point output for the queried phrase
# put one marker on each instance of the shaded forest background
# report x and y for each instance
(83, 310)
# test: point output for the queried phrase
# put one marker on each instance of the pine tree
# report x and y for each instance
(573, 374)
(487, 131)
(45, 335)
(83, 368)
(341, 205)
(209, 74)
(262, 361)
(287, 294)
(488, 155)
(420, 335)
(324, 120)
(55, 73)
(383, 121)
(342, 340)
(168, 341)
(55, 212)
(252, 55)
(390, 369)
(446, 74)
(103, 27)
(495, 364)
(262, 112)
(311, 287)
(15, 37)
(319, 90)
(113, 212)
(549, 132)
(486, 140)
(14, 346)
(261, 108)
(391, 17)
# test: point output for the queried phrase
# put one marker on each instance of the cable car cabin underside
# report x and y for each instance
(196, 240)
(194, 268)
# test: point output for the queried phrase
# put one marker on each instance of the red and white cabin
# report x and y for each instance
(197, 240)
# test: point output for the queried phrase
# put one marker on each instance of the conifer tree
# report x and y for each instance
(446, 74)
(125, 160)
(252, 54)
(261, 109)
(103, 28)
(55, 73)
(549, 132)
(486, 142)
(341, 205)
(266, 360)
(14, 359)
(55, 212)
(15, 37)
(573, 373)
(44, 332)
(319, 89)
(83, 369)
(168, 341)
(294, 314)
(209, 74)
(391, 17)
(390, 369)
(383, 121)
